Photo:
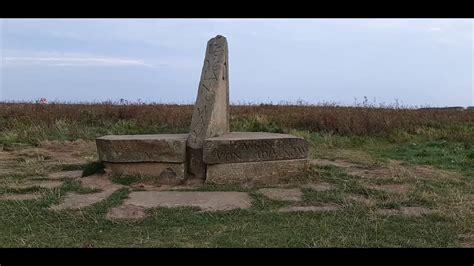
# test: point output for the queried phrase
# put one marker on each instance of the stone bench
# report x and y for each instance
(160, 155)
(210, 152)
(254, 157)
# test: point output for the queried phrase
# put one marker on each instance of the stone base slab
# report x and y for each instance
(255, 173)
(163, 173)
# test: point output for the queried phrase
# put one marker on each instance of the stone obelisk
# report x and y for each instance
(211, 111)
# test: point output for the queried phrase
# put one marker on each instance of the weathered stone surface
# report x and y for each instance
(266, 172)
(237, 147)
(282, 194)
(142, 148)
(164, 173)
(211, 110)
(73, 200)
(207, 201)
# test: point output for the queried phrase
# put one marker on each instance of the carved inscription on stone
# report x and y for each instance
(211, 111)
(233, 151)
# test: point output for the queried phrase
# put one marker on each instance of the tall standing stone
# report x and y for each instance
(211, 111)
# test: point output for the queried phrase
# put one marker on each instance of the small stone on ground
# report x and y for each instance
(74, 200)
(282, 194)
(320, 208)
(207, 201)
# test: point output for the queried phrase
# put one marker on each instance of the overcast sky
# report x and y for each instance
(415, 61)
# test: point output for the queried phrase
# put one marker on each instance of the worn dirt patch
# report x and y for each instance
(207, 201)
(320, 187)
(70, 151)
(362, 200)
(357, 157)
(282, 194)
(28, 196)
(29, 160)
(74, 200)
(320, 208)
(393, 169)
(416, 211)
(392, 188)
(337, 163)
(126, 212)
(397, 170)
(387, 212)
(66, 174)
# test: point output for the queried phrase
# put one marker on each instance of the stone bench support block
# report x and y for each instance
(256, 173)
(163, 173)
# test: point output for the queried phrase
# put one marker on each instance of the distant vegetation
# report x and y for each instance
(33, 122)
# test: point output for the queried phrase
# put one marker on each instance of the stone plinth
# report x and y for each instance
(238, 147)
(255, 173)
(142, 148)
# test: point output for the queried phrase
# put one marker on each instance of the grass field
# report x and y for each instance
(400, 178)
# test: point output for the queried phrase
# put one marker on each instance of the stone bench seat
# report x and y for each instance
(161, 156)
(170, 148)
(239, 147)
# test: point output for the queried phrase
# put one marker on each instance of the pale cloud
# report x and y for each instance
(434, 29)
(74, 61)
(68, 59)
